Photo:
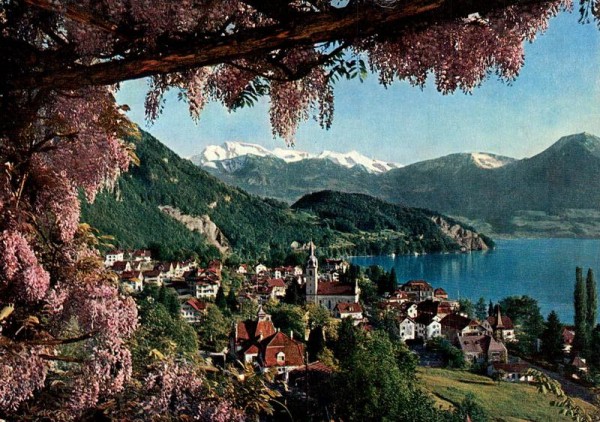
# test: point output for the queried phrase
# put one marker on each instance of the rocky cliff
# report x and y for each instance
(466, 238)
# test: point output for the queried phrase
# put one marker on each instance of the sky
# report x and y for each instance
(556, 94)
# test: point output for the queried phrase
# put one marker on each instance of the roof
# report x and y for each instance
(345, 308)
(197, 305)
(480, 344)
(418, 285)
(114, 252)
(275, 282)
(334, 288)
(440, 292)
(142, 252)
(251, 330)
(428, 306)
(568, 335)
(517, 367)
(506, 322)
(456, 321)
(292, 349)
(119, 266)
(317, 366)
(424, 319)
(152, 273)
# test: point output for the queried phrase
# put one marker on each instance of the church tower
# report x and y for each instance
(499, 326)
(312, 276)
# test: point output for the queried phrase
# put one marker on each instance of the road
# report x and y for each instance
(571, 388)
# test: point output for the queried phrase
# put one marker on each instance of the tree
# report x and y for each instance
(316, 343)
(525, 314)
(466, 307)
(552, 339)
(392, 281)
(491, 309)
(481, 311)
(580, 342)
(220, 300)
(232, 302)
(213, 330)
(62, 133)
(592, 301)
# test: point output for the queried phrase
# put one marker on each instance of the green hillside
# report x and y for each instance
(255, 228)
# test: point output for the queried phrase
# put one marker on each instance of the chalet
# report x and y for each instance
(349, 310)
(408, 329)
(428, 327)
(204, 288)
(257, 341)
(482, 348)
(192, 310)
(500, 326)
(398, 296)
(511, 372)
(418, 290)
(326, 293)
(260, 268)
(242, 269)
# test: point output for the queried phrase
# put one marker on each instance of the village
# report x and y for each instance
(421, 313)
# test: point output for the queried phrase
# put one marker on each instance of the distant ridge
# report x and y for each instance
(212, 154)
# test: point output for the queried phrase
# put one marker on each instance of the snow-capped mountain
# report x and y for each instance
(490, 161)
(230, 150)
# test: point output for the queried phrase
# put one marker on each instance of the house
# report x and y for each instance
(141, 255)
(242, 269)
(260, 268)
(132, 280)
(407, 329)
(349, 310)
(113, 256)
(276, 287)
(121, 266)
(440, 294)
(336, 265)
(326, 293)
(257, 341)
(511, 372)
(418, 290)
(456, 325)
(428, 327)
(192, 310)
(500, 326)
(205, 288)
(482, 348)
(154, 277)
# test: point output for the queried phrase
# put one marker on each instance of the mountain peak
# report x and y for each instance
(584, 139)
(489, 161)
(232, 150)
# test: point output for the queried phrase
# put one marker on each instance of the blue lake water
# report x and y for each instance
(541, 268)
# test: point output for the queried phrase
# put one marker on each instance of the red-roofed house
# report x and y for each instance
(511, 372)
(500, 326)
(257, 341)
(113, 256)
(456, 325)
(568, 335)
(132, 280)
(479, 349)
(349, 310)
(440, 294)
(277, 287)
(121, 266)
(192, 310)
(142, 255)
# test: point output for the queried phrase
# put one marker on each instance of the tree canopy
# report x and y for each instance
(61, 133)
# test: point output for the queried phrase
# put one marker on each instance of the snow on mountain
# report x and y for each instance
(230, 150)
(487, 161)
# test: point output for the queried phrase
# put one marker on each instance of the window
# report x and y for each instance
(280, 357)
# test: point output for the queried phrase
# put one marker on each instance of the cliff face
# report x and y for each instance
(201, 224)
(467, 239)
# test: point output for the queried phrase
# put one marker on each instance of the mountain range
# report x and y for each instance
(176, 208)
(554, 193)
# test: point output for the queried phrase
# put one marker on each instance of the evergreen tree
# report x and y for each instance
(480, 309)
(392, 281)
(162, 295)
(172, 302)
(580, 342)
(220, 300)
(466, 307)
(592, 301)
(491, 309)
(315, 344)
(594, 358)
(232, 302)
(552, 341)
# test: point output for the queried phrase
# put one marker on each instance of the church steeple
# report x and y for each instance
(499, 323)
(312, 275)
(499, 326)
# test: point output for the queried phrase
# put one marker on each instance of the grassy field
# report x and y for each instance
(502, 401)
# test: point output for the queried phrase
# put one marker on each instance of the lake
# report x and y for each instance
(541, 268)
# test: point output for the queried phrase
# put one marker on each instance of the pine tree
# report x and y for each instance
(480, 311)
(392, 281)
(592, 301)
(220, 300)
(232, 302)
(316, 343)
(580, 343)
(491, 309)
(552, 341)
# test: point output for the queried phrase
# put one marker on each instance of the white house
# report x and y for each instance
(428, 326)
(192, 310)
(349, 310)
(407, 328)
(112, 257)
(205, 289)
(260, 268)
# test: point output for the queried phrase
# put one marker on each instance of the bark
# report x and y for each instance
(303, 29)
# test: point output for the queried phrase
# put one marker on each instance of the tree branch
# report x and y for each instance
(311, 28)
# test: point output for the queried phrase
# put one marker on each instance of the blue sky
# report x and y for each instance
(557, 93)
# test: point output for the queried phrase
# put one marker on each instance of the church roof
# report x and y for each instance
(333, 288)
(507, 323)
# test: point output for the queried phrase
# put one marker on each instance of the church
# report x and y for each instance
(328, 294)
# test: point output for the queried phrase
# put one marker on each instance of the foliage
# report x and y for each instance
(452, 356)
(581, 340)
(316, 343)
(213, 329)
(592, 301)
(288, 318)
(466, 307)
(481, 310)
(220, 300)
(527, 318)
(62, 132)
(161, 331)
(552, 339)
